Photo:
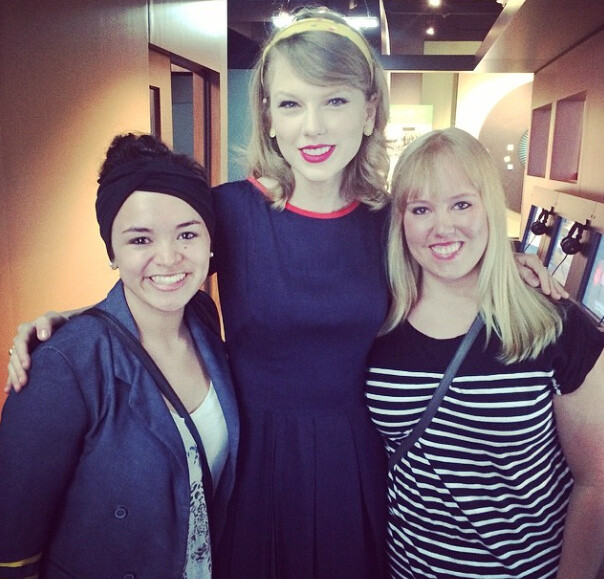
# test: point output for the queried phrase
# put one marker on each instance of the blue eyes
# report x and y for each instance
(333, 102)
(423, 209)
(462, 205)
(419, 210)
(338, 101)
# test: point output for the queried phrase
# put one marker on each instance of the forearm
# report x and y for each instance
(583, 545)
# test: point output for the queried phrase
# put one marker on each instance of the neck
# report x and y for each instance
(318, 197)
(445, 309)
(438, 290)
(157, 326)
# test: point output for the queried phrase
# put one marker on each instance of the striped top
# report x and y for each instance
(484, 491)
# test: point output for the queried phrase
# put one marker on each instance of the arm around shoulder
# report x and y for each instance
(28, 336)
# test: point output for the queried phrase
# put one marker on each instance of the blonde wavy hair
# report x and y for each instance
(523, 319)
(322, 59)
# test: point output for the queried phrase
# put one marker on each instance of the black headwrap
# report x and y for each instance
(150, 175)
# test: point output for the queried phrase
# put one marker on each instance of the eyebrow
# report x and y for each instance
(148, 230)
(453, 198)
(329, 91)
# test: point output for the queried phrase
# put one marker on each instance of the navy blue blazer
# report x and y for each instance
(93, 471)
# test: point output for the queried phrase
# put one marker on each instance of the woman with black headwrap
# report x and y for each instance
(101, 474)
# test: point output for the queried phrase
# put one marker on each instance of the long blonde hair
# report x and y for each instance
(322, 58)
(524, 320)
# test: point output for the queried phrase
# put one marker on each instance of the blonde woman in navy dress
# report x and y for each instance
(508, 479)
(299, 253)
(303, 293)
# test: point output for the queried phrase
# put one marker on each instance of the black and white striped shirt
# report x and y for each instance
(484, 491)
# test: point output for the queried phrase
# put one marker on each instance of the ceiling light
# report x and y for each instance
(282, 20)
(430, 31)
(359, 22)
(434, 3)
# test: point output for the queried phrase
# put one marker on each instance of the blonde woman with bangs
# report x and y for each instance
(301, 310)
(321, 58)
(299, 252)
(507, 480)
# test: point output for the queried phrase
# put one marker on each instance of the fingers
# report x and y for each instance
(549, 286)
(534, 273)
(27, 336)
(530, 268)
(16, 375)
(23, 342)
(42, 326)
(558, 291)
(19, 360)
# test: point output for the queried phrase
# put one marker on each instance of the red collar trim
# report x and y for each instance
(298, 210)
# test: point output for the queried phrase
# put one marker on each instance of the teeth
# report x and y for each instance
(445, 250)
(317, 151)
(167, 279)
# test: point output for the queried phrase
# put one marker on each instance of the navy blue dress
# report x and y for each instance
(303, 296)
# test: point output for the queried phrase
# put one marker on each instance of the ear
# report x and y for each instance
(370, 112)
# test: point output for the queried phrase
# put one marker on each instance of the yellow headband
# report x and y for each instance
(321, 25)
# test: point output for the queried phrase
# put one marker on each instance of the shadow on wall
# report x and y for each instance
(502, 133)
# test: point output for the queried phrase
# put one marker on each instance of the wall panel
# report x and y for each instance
(73, 74)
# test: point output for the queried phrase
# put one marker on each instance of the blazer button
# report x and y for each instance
(122, 513)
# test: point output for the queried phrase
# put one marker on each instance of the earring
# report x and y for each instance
(211, 254)
(368, 131)
(112, 265)
(272, 133)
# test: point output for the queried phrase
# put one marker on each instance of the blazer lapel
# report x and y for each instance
(145, 399)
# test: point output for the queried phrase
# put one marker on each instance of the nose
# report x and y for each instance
(167, 253)
(314, 122)
(444, 222)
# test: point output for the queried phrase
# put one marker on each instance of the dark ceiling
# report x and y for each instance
(403, 23)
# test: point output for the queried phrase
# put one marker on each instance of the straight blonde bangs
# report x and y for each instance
(524, 320)
(322, 59)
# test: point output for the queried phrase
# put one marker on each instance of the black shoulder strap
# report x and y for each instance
(439, 393)
(132, 343)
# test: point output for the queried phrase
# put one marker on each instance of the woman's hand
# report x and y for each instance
(29, 335)
(535, 274)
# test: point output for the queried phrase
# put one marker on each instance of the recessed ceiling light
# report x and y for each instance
(282, 20)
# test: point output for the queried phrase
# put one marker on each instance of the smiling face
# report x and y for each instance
(446, 230)
(162, 249)
(319, 129)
